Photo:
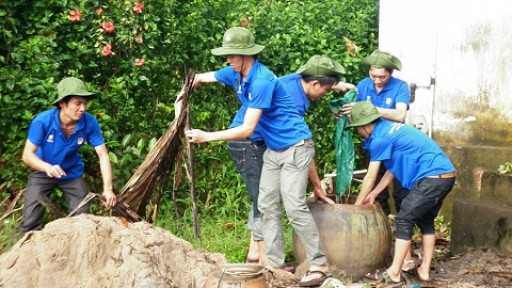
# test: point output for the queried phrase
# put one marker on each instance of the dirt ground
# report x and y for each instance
(481, 268)
(93, 251)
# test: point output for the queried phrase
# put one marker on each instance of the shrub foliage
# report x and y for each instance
(136, 55)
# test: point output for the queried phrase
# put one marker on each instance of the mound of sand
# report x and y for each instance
(93, 251)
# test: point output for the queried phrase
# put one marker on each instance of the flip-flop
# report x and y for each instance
(289, 269)
(406, 267)
(315, 281)
(414, 272)
(390, 283)
(376, 275)
(252, 260)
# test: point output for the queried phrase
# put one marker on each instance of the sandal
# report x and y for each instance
(414, 272)
(408, 265)
(289, 269)
(390, 283)
(377, 275)
(252, 260)
(314, 281)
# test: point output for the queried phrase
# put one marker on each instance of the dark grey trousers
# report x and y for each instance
(40, 184)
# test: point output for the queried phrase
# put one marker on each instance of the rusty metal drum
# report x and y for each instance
(355, 239)
(237, 275)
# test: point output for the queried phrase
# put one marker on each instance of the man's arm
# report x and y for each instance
(384, 182)
(317, 187)
(344, 87)
(397, 115)
(30, 158)
(368, 182)
(251, 118)
(208, 77)
(106, 175)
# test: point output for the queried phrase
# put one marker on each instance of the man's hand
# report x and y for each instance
(369, 200)
(55, 171)
(344, 87)
(197, 136)
(345, 110)
(318, 194)
(109, 199)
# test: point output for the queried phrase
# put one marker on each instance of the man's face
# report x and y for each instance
(74, 109)
(362, 131)
(235, 61)
(379, 76)
(316, 91)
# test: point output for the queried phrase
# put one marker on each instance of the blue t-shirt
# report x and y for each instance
(280, 124)
(394, 91)
(53, 147)
(293, 85)
(239, 120)
(405, 151)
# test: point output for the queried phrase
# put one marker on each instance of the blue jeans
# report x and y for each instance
(247, 156)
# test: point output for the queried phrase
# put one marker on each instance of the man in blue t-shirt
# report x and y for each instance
(422, 168)
(312, 81)
(391, 96)
(287, 158)
(51, 150)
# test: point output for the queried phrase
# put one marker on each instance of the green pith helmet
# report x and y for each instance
(71, 86)
(363, 113)
(382, 59)
(238, 41)
(321, 66)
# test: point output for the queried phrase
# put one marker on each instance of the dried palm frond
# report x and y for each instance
(153, 174)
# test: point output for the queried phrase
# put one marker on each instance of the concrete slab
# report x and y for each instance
(480, 224)
(496, 188)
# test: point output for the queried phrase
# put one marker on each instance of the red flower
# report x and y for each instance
(138, 7)
(99, 11)
(75, 15)
(244, 22)
(108, 27)
(107, 50)
(139, 62)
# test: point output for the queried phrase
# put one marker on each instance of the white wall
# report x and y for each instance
(467, 47)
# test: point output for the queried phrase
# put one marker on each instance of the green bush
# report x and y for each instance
(139, 67)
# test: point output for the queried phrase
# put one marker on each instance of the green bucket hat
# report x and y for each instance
(382, 59)
(321, 66)
(71, 86)
(238, 41)
(363, 113)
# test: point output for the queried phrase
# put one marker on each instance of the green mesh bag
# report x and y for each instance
(343, 144)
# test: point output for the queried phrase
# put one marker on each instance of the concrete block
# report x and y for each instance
(479, 224)
(496, 188)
